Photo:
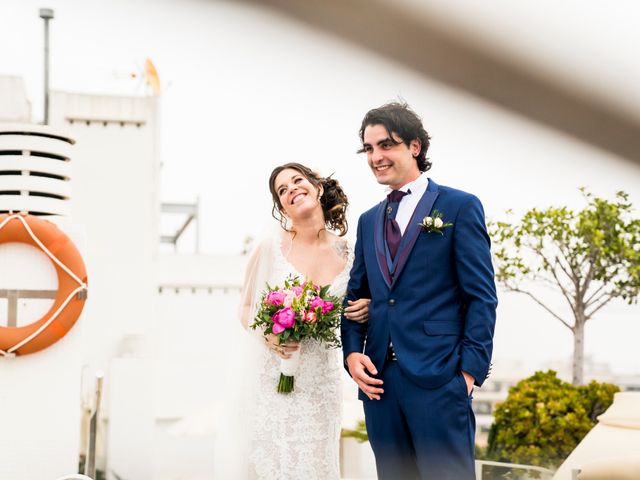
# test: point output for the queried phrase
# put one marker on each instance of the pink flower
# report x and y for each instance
(317, 302)
(277, 328)
(284, 317)
(275, 298)
(310, 317)
(327, 307)
(297, 291)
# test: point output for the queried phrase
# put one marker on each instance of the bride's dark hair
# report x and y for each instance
(334, 201)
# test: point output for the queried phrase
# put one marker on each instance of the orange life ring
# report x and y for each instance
(66, 252)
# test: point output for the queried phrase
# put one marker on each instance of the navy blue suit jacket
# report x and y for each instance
(439, 308)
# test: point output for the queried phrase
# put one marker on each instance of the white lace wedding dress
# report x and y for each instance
(296, 436)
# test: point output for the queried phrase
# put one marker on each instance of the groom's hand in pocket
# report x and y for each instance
(469, 380)
(360, 366)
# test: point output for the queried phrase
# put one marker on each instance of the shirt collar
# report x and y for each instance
(417, 184)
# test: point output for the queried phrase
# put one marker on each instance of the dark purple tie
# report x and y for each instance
(392, 229)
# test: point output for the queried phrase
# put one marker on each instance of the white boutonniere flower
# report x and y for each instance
(434, 223)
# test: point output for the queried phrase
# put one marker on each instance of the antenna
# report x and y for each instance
(146, 74)
(151, 76)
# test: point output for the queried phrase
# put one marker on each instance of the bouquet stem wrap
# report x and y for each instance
(288, 369)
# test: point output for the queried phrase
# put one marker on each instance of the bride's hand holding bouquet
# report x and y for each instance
(292, 313)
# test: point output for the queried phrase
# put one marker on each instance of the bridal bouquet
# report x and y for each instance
(294, 312)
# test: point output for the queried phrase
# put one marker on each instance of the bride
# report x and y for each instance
(296, 435)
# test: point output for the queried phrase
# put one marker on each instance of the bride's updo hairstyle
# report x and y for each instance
(334, 201)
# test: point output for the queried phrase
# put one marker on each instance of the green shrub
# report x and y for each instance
(360, 432)
(543, 419)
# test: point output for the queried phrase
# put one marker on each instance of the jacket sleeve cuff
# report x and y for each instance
(478, 375)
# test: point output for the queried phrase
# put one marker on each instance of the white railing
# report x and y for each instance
(543, 473)
(74, 476)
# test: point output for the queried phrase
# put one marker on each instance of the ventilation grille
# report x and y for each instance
(35, 171)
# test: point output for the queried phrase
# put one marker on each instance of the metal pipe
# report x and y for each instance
(90, 465)
(46, 14)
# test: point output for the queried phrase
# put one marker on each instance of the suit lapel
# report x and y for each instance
(379, 243)
(413, 230)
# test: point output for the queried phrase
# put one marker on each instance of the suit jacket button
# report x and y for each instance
(392, 301)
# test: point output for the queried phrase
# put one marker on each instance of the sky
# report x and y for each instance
(245, 90)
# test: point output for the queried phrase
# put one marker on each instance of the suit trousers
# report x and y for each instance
(419, 433)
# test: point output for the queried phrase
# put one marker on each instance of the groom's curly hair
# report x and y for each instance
(334, 201)
(398, 118)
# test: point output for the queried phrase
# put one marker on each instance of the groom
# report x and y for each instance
(422, 256)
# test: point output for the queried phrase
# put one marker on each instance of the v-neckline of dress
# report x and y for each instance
(279, 245)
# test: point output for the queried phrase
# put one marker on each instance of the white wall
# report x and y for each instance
(14, 105)
(40, 401)
(40, 411)
(194, 343)
(115, 178)
(115, 173)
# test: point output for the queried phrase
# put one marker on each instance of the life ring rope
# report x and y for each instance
(43, 247)
(82, 286)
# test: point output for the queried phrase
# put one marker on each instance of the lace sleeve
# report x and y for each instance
(343, 248)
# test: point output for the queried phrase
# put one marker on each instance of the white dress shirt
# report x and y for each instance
(409, 203)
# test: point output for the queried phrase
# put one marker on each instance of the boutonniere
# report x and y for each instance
(434, 223)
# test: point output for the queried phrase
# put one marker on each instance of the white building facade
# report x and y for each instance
(156, 325)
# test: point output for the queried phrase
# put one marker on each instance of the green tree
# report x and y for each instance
(589, 256)
(543, 419)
